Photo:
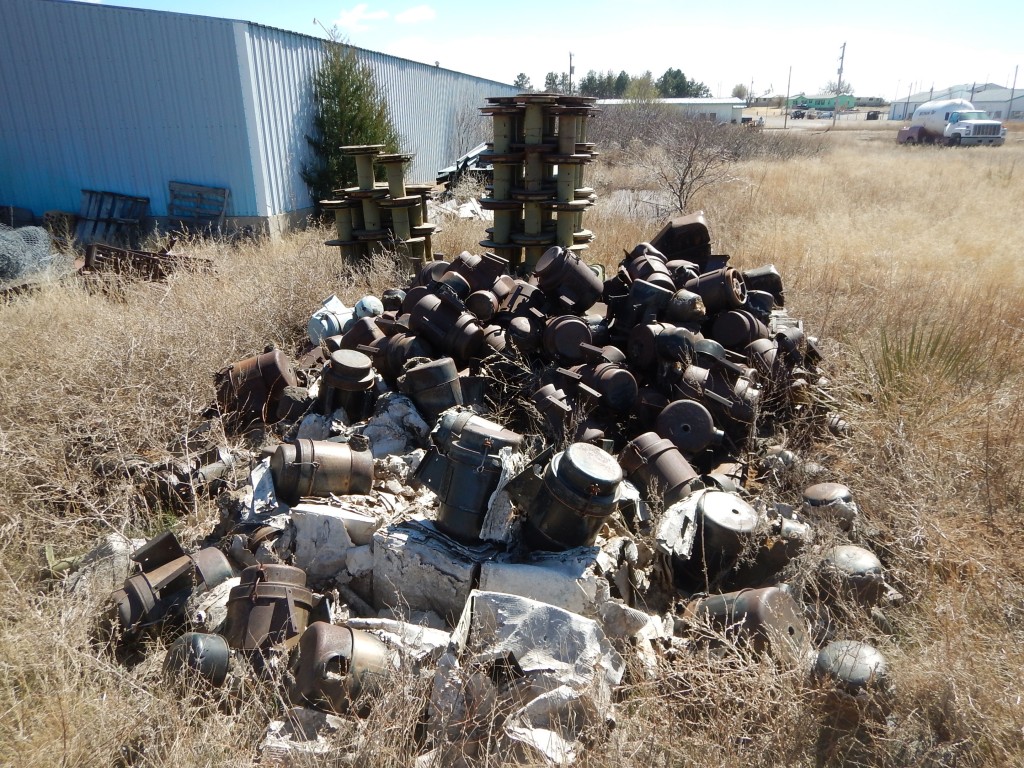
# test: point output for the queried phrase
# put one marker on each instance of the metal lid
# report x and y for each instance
(207, 655)
(852, 664)
(351, 364)
(564, 335)
(688, 424)
(727, 511)
(588, 470)
(852, 560)
(827, 493)
(551, 262)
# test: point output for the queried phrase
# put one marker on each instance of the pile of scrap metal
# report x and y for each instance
(149, 265)
(473, 162)
(515, 486)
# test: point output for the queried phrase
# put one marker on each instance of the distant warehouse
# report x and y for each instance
(104, 98)
(728, 110)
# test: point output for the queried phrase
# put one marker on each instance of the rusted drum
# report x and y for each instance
(657, 465)
(581, 488)
(433, 385)
(249, 389)
(721, 290)
(689, 426)
(563, 276)
(320, 468)
(767, 619)
(347, 382)
(336, 665)
(270, 605)
(563, 337)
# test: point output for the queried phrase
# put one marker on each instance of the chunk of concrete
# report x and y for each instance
(323, 535)
(396, 427)
(415, 643)
(208, 610)
(569, 580)
(418, 568)
(104, 568)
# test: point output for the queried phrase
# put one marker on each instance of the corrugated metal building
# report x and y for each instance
(126, 100)
(719, 110)
(903, 109)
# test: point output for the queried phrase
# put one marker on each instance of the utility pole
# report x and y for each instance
(785, 111)
(1013, 89)
(839, 85)
(571, 70)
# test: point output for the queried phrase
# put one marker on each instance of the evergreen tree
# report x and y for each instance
(349, 109)
(522, 82)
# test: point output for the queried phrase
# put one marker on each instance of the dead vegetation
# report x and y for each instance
(904, 263)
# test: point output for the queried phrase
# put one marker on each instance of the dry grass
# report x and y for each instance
(904, 261)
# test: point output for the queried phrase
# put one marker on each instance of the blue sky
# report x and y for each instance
(890, 46)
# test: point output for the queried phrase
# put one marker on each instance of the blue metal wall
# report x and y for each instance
(127, 100)
(120, 100)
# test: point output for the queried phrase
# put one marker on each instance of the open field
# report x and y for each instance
(905, 262)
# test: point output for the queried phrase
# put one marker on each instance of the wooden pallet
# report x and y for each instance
(196, 207)
(107, 217)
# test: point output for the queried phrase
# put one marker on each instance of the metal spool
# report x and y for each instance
(320, 468)
(270, 605)
(580, 489)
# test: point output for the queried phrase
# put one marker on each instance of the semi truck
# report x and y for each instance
(953, 122)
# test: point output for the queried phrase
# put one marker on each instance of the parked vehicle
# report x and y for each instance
(798, 114)
(952, 122)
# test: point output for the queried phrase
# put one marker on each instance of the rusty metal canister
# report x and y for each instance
(851, 570)
(831, 501)
(616, 385)
(433, 385)
(737, 328)
(198, 653)
(336, 665)
(685, 237)
(270, 605)
(650, 268)
(320, 468)
(769, 619)
(450, 426)
(643, 344)
(250, 388)
(581, 488)
(766, 279)
(391, 353)
(483, 304)
(347, 382)
(859, 674)
(689, 426)
(655, 463)
(563, 337)
(362, 332)
(725, 526)
(446, 328)
(685, 307)
(466, 479)
(564, 277)
(722, 289)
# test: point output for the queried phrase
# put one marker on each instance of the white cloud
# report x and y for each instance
(416, 15)
(354, 20)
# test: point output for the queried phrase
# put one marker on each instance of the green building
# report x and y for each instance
(824, 101)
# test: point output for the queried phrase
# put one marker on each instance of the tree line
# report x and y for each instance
(673, 84)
